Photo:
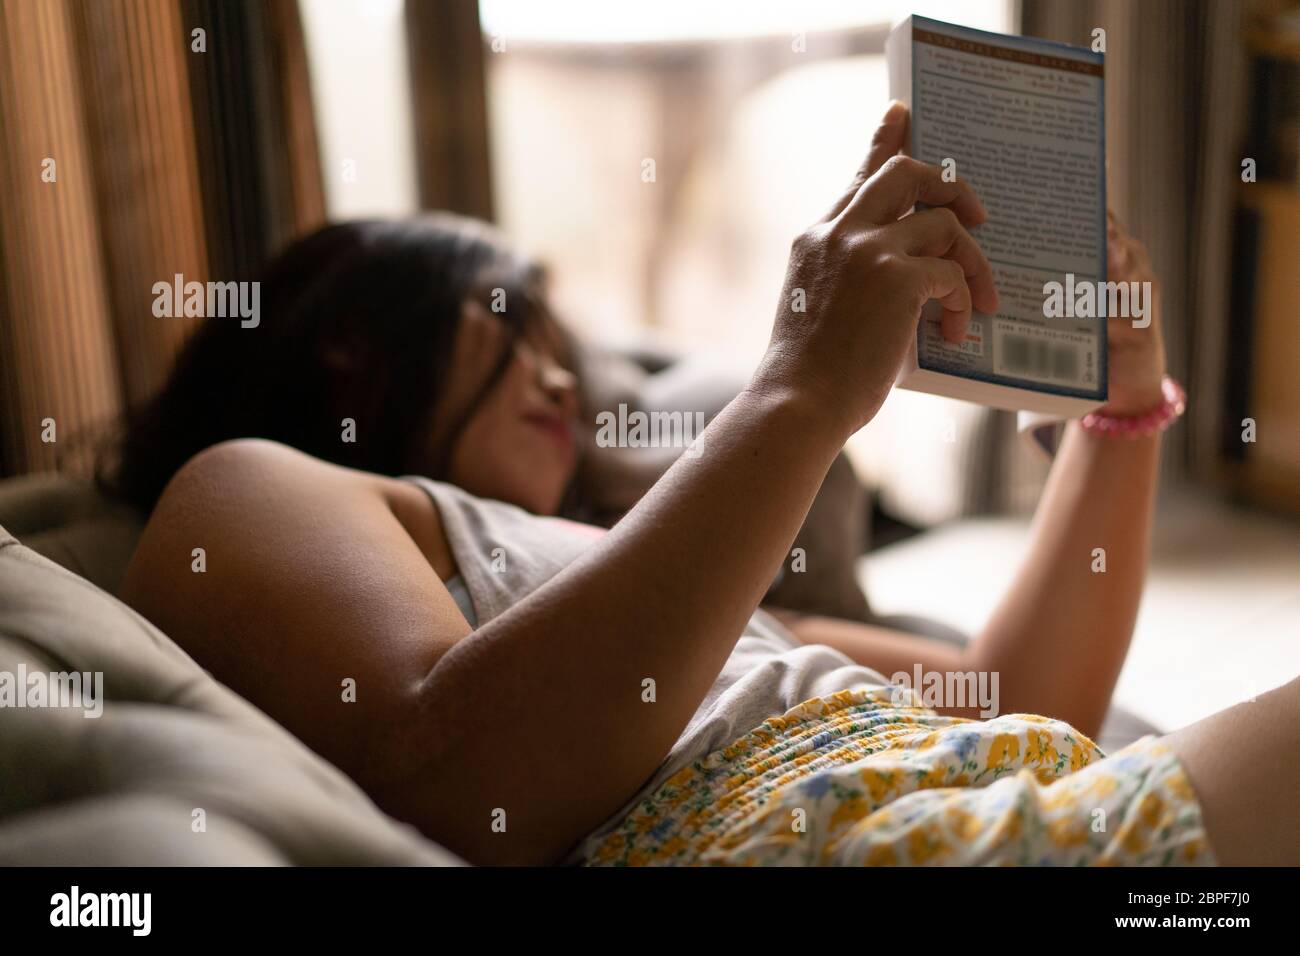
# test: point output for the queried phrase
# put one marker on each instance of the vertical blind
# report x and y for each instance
(167, 160)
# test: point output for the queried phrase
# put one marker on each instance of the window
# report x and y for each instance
(662, 156)
(361, 90)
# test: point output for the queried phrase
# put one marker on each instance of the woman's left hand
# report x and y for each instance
(1136, 355)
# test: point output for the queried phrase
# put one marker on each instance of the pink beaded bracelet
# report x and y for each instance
(1139, 426)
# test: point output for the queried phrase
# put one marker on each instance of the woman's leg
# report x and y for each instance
(1244, 763)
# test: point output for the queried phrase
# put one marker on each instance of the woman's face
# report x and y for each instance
(518, 444)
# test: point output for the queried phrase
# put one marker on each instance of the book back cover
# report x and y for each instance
(1022, 120)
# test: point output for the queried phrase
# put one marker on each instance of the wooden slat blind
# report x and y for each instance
(133, 74)
(56, 340)
(169, 161)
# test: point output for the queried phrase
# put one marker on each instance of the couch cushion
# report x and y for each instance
(126, 787)
(69, 521)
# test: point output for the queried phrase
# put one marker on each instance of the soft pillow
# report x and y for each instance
(69, 521)
(171, 748)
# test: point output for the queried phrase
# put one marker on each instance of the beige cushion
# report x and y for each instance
(123, 788)
(70, 522)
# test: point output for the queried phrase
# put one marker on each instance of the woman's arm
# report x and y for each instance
(1059, 636)
(666, 593)
(543, 713)
(1061, 633)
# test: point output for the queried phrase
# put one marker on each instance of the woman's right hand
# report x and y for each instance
(862, 274)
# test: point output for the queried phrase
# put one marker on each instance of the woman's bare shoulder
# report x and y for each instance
(285, 575)
(256, 466)
(249, 487)
(253, 517)
(223, 502)
(238, 490)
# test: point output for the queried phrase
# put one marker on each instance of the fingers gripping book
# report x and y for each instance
(1021, 120)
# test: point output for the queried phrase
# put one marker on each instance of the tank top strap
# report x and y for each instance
(502, 552)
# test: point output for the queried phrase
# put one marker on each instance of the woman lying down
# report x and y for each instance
(528, 690)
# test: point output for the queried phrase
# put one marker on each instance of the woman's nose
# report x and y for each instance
(559, 384)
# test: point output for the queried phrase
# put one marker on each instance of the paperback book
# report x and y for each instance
(1022, 120)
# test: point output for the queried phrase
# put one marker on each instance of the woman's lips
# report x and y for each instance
(558, 428)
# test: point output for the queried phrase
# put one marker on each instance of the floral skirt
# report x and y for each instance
(854, 779)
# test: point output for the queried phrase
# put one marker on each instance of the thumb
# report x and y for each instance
(885, 142)
(889, 136)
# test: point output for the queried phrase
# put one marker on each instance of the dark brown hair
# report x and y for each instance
(386, 294)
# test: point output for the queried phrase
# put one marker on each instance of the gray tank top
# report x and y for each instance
(460, 594)
(503, 553)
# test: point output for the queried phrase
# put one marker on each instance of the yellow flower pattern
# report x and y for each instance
(856, 780)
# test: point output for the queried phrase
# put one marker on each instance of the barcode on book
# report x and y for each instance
(1054, 356)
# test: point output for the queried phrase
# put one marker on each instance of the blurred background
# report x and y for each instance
(199, 136)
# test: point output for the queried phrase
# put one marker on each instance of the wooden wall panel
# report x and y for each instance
(449, 98)
(56, 340)
(256, 133)
(170, 160)
(132, 56)
(305, 188)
